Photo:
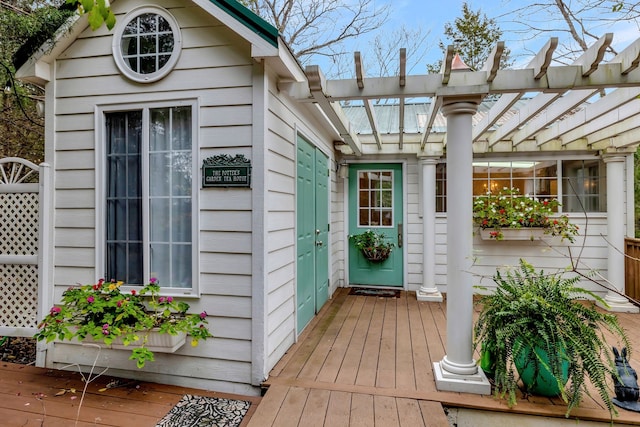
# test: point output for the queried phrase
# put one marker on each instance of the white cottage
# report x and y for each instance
(189, 145)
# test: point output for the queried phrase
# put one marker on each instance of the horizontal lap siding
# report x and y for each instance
(214, 66)
(490, 255)
(283, 118)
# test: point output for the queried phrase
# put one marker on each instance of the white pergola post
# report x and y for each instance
(428, 291)
(616, 234)
(458, 371)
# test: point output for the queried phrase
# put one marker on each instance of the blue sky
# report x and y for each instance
(433, 15)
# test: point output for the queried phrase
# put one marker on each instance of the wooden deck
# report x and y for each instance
(28, 399)
(367, 361)
(363, 361)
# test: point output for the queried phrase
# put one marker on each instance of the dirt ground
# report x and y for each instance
(18, 350)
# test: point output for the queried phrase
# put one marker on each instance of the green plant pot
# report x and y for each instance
(535, 376)
(487, 359)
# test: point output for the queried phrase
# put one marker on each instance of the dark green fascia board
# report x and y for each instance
(252, 21)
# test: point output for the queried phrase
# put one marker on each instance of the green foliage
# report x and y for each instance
(371, 240)
(98, 12)
(510, 209)
(473, 35)
(104, 312)
(530, 308)
(21, 129)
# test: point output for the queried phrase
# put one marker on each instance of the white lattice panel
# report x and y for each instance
(19, 290)
(18, 223)
(19, 215)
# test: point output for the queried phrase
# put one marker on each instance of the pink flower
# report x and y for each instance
(203, 315)
(133, 291)
(153, 280)
(90, 299)
(119, 303)
(169, 299)
(161, 300)
(54, 311)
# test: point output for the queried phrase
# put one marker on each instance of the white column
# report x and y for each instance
(428, 291)
(615, 235)
(458, 371)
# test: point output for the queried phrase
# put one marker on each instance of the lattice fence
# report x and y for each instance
(19, 234)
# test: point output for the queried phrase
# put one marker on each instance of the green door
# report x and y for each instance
(312, 279)
(375, 203)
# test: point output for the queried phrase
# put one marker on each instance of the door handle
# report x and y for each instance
(399, 234)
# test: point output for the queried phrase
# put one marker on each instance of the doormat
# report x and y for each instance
(199, 411)
(373, 292)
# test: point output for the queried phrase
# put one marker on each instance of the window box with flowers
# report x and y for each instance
(499, 216)
(372, 245)
(107, 315)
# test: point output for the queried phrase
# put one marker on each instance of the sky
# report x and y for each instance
(432, 15)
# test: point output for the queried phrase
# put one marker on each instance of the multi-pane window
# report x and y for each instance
(149, 196)
(583, 186)
(536, 178)
(375, 198)
(441, 187)
(578, 184)
(147, 44)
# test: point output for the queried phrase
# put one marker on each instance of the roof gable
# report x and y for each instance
(263, 37)
(252, 21)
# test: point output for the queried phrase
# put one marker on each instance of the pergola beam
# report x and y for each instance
(368, 104)
(628, 138)
(539, 64)
(402, 81)
(614, 100)
(614, 129)
(588, 64)
(552, 114)
(334, 113)
(557, 118)
(492, 64)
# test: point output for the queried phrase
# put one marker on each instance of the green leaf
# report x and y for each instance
(87, 5)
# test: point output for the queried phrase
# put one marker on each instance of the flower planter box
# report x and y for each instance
(156, 342)
(527, 233)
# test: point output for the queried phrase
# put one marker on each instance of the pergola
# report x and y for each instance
(588, 106)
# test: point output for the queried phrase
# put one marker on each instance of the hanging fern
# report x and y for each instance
(530, 308)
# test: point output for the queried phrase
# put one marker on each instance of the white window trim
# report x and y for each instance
(393, 207)
(101, 182)
(117, 37)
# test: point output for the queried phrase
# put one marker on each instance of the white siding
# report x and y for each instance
(215, 67)
(283, 119)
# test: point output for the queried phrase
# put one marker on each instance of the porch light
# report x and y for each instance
(343, 170)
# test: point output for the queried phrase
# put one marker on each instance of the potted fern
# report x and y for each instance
(544, 330)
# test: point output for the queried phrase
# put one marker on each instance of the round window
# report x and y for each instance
(147, 44)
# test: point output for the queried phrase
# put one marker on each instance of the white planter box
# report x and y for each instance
(156, 342)
(530, 233)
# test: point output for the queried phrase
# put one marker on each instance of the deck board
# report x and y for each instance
(386, 375)
(376, 369)
(363, 361)
(28, 398)
(355, 351)
(369, 363)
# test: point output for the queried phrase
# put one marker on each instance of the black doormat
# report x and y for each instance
(374, 292)
(199, 411)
